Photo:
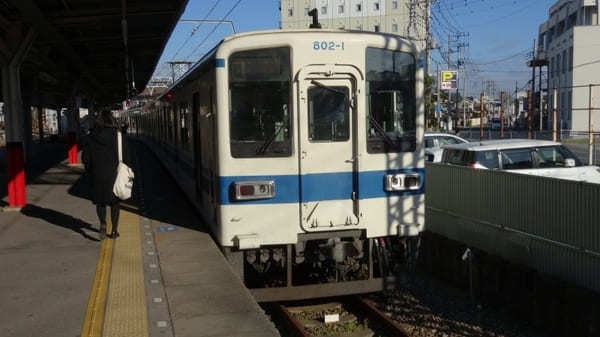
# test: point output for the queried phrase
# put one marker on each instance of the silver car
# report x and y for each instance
(434, 141)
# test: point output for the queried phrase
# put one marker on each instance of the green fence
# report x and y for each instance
(549, 224)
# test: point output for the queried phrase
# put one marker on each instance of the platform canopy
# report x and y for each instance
(101, 50)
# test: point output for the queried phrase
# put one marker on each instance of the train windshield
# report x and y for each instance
(259, 103)
(391, 101)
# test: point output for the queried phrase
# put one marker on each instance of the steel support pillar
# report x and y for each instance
(14, 122)
(73, 127)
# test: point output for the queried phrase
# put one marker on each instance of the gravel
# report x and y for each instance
(426, 307)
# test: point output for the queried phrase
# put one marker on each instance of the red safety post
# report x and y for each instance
(16, 174)
(72, 143)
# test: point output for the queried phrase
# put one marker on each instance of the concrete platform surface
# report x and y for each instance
(49, 252)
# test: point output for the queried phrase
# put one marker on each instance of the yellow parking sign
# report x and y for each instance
(448, 80)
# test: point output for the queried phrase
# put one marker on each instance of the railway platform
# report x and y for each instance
(163, 276)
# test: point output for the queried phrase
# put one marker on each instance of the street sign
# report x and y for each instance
(448, 80)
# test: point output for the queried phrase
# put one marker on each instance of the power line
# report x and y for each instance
(196, 27)
(214, 29)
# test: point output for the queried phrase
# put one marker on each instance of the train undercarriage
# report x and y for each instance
(323, 264)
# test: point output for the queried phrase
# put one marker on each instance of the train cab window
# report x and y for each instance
(391, 101)
(328, 113)
(259, 103)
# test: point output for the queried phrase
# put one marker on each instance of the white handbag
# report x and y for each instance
(124, 182)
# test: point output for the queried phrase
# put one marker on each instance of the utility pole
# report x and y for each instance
(541, 105)
(427, 37)
(554, 114)
(481, 112)
(516, 97)
(529, 113)
(502, 115)
(437, 100)
(533, 78)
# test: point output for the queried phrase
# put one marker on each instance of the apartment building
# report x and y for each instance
(402, 17)
(570, 41)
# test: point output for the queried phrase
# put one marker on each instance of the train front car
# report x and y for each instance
(321, 168)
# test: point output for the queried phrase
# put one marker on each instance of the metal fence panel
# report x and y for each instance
(549, 224)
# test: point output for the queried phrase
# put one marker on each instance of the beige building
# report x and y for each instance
(402, 17)
(570, 41)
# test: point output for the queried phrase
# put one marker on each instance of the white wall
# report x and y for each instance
(586, 70)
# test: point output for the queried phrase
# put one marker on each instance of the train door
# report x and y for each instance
(328, 165)
(197, 131)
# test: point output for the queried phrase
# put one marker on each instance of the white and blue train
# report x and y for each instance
(303, 151)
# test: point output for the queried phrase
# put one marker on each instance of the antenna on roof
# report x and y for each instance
(315, 16)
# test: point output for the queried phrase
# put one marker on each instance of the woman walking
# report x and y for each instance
(102, 161)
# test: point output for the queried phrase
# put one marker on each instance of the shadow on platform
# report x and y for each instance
(60, 219)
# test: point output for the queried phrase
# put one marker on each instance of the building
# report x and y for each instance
(568, 40)
(402, 17)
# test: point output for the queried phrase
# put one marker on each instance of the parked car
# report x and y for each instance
(535, 157)
(434, 142)
(510, 154)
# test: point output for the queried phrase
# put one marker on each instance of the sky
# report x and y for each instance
(497, 34)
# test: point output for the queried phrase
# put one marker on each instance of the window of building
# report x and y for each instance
(394, 27)
(290, 12)
(564, 61)
(561, 28)
(376, 6)
(376, 28)
(306, 10)
(571, 58)
(591, 16)
(551, 66)
(557, 64)
(394, 4)
(550, 35)
(324, 10)
(358, 7)
(341, 9)
(572, 20)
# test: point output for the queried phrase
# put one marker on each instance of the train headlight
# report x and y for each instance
(402, 182)
(252, 190)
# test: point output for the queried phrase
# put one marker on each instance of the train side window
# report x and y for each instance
(259, 103)
(391, 101)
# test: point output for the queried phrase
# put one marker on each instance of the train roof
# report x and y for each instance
(232, 37)
(313, 30)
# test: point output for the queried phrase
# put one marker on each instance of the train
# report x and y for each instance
(303, 152)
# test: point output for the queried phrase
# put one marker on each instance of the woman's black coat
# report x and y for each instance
(101, 162)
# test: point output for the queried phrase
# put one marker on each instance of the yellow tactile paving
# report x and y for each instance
(125, 314)
(94, 313)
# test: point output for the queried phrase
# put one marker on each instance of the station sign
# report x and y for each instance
(448, 80)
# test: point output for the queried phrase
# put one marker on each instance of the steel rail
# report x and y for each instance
(293, 326)
(376, 317)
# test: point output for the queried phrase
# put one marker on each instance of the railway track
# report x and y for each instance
(350, 316)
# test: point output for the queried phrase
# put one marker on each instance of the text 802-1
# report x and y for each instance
(328, 45)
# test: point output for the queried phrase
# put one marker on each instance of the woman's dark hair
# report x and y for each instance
(105, 120)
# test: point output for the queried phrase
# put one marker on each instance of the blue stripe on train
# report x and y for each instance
(319, 187)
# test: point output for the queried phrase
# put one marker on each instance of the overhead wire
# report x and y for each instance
(196, 27)
(214, 29)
